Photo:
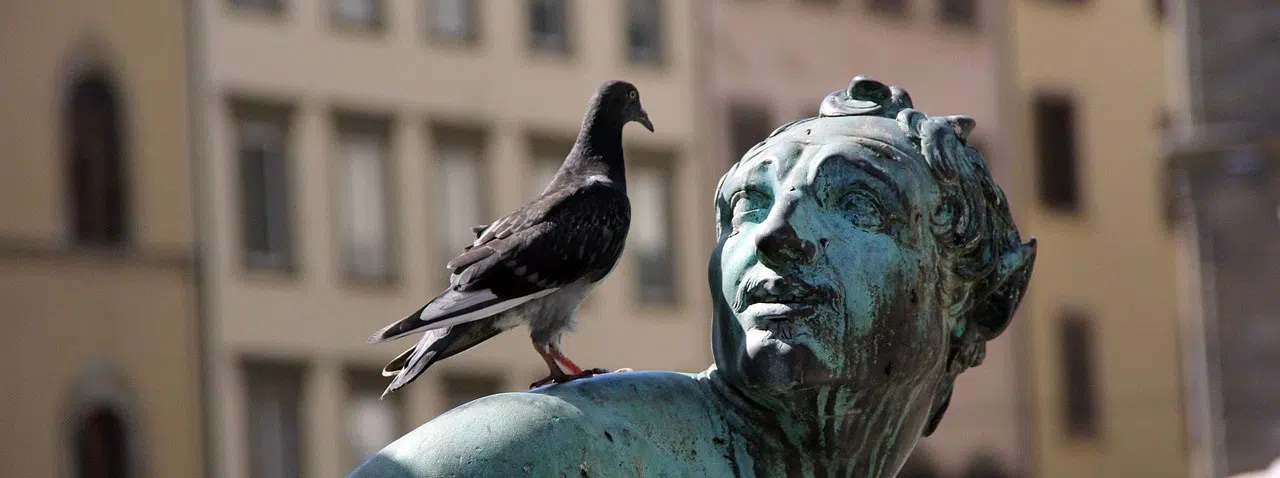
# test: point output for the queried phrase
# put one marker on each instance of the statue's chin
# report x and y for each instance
(777, 365)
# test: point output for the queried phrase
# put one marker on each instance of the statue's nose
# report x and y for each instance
(778, 244)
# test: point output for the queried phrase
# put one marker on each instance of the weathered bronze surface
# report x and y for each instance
(864, 259)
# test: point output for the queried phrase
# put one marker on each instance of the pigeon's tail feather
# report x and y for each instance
(451, 308)
(437, 345)
(397, 364)
(399, 328)
(419, 357)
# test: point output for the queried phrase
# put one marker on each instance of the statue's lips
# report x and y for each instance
(790, 291)
(778, 319)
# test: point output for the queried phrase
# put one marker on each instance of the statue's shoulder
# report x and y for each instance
(603, 426)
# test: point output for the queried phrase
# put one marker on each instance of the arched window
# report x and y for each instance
(101, 445)
(101, 437)
(97, 192)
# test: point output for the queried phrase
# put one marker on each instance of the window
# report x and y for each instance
(275, 423)
(372, 422)
(749, 124)
(453, 20)
(97, 188)
(102, 445)
(892, 8)
(363, 198)
(1079, 397)
(549, 25)
(644, 31)
(651, 222)
(958, 12)
(262, 150)
(462, 388)
(365, 15)
(463, 199)
(273, 7)
(1055, 134)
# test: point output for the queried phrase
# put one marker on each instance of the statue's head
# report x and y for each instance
(867, 251)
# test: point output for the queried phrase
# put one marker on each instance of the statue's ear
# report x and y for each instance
(963, 125)
(992, 314)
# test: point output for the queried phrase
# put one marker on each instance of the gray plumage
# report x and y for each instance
(535, 265)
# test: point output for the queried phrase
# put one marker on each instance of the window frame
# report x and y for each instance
(1057, 144)
(472, 24)
(1080, 403)
(655, 55)
(292, 377)
(665, 162)
(543, 42)
(278, 218)
(375, 25)
(378, 129)
(445, 137)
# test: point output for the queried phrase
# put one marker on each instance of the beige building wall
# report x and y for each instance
(315, 319)
(786, 56)
(1112, 263)
(106, 331)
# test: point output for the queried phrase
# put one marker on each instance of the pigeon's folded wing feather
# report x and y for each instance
(550, 243)
(561, 238)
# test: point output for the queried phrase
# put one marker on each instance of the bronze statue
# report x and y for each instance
(864, 258)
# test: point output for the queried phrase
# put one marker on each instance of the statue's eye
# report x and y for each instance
(861, 208)
(748, 206)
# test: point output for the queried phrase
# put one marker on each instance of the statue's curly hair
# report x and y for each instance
(985, 264)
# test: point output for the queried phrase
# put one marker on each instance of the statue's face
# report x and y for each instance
(826, 266)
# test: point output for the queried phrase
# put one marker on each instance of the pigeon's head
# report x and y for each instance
(621, 100)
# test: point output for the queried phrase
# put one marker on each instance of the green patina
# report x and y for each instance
(864, 259)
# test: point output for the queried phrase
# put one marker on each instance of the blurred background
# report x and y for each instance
(207, 206)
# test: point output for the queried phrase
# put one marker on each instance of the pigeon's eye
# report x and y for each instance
(632, 95)
(749, 206)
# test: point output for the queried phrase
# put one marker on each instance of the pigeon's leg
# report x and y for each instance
(562, 369)
(569, 366)
(555, 372)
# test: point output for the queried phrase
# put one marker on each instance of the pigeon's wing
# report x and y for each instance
(437, 345)
(556, 240)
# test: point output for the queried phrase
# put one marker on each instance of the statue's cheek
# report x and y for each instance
(737, 255)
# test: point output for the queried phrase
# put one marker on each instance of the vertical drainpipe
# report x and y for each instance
(705, 118)
(1184, 147)
(1008, 106)
(196, 87)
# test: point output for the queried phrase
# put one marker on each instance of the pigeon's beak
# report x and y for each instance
(643, 118)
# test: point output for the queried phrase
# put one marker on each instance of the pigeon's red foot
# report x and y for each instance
(569, 377)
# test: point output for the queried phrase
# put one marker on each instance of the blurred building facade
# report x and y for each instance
(99, 357)
(350, 147)
(772, 62)
(1223, 146)
(1084, 109)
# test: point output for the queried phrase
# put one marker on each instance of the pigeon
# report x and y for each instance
(535, 265)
